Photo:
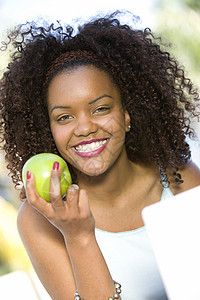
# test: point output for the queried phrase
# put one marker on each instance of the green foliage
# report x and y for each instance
(179, 23)
(194, 4)
(12, 253)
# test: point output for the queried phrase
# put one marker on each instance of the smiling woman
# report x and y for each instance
(87, 120)
(116, 107)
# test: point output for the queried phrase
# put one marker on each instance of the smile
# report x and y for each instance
(90, 149)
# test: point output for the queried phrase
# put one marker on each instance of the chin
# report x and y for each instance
(92, 169)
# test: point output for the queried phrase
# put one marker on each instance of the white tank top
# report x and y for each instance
(131, 262)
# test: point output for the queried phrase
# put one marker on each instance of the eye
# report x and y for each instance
(64, 118)
(102, 109)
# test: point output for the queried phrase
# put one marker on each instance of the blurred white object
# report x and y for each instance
(173, 226)
(195, 151)
(20, 285)
(195, 144)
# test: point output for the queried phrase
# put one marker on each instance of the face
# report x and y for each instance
(87, 121)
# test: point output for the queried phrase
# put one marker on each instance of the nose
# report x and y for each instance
(85, 126)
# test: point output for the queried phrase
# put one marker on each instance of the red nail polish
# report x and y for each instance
(55, 165)
(28, 175)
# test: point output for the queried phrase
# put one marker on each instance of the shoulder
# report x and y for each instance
(27, 217)
(34, 229)
(190, 174)
(32, 225)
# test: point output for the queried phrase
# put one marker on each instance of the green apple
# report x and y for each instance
(41, 166)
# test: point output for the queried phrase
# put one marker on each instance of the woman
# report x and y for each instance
(114, 106)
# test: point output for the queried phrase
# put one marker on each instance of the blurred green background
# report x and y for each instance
(178, 22)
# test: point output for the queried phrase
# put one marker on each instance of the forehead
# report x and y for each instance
(89, 78)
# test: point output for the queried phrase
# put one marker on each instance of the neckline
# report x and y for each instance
(120, 233)
(166, 193)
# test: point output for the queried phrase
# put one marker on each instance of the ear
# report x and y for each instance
(127, 121)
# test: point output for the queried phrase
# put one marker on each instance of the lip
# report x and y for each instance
(91, 153)
(89, 142)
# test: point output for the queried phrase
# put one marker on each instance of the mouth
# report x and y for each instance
(90, 148)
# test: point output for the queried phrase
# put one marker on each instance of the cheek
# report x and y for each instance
(59, 136)
(116, 124)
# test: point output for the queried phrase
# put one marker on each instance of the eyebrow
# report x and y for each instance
(99, 98)
(91, 102)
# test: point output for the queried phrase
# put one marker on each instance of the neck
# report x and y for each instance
(111, 184)
(119, 181)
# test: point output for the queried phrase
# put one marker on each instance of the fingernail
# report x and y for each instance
(28, 175)
(55, 166)
(74, 187)
(71, 192)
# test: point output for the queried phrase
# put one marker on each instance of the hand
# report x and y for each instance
(72, 217)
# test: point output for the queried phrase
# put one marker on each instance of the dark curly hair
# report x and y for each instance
(155, 91)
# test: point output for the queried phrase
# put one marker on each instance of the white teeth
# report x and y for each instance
(90, 147)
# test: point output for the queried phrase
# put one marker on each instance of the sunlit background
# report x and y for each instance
(177, 21)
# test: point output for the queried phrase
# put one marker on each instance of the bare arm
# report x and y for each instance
(46, 249)
(74, 258)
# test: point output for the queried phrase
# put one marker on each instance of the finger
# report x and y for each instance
(73, 197)
(33, 197)
(84, 205)
(55, 186)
